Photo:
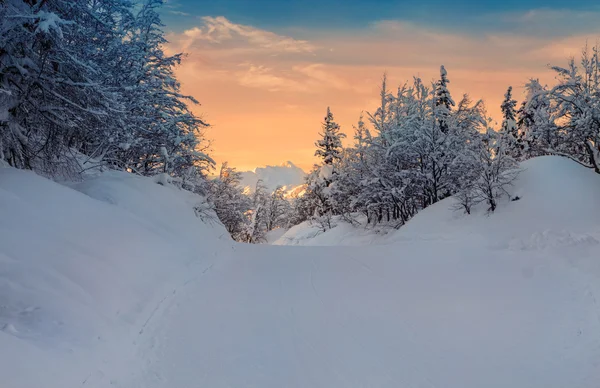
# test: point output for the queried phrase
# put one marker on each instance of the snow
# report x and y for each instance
(82, 271)
(49, 21)
(342, 233)
(326, 172)
(274, 235)
(118, 284)
(286, 174)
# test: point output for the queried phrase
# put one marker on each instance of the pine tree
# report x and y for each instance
(511, 141)
(443, 100)
(330, 145)
(535, 123)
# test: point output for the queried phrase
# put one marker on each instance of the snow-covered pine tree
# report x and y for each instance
(329, 147)
(351, 171)
(510, 139)
(383, 117)
(167, 137)
(535, 122)
(443, 100)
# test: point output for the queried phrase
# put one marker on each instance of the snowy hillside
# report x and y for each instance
(558, 203)
(83, 270)
(118, 284)
(286, 174)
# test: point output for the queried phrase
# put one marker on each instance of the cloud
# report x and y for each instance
(179, 13)
(542, 22)
(219, 30)
(264, 78)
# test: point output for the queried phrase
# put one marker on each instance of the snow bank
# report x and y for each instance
(82, 270)
(342, 233)
(557, 197)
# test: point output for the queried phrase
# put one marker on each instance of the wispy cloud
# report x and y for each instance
(219, 30)
(179, 13)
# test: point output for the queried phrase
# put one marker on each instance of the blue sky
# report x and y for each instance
(353, 14)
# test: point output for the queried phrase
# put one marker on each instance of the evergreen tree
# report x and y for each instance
(534, 121)
(443, 100)
(511, 141)
(330, 145)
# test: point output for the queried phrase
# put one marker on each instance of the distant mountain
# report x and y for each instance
(286, 174)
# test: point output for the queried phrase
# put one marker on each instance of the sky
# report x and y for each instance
(265, 71)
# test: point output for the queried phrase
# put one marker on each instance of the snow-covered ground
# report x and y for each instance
(118, 284)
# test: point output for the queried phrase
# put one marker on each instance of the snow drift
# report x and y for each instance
(119, 284)
(82, 269)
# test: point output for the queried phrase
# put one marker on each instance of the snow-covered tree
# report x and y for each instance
(50, 97)
(166, 135)
(443, 100)
(510, 139)
(278, 208)
(498, 170)
(256, 227)
(576, 99)
(89, 82)
(230, 203)
(329, 147)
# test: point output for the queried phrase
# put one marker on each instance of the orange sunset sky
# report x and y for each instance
(265, 92)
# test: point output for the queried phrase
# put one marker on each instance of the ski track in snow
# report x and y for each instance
(303, 333)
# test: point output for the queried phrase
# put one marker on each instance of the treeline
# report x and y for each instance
(248, 217)
(421, 147)
(88, 83)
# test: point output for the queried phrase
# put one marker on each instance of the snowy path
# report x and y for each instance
(320, 317)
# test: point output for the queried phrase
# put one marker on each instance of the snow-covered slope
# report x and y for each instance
(286, 174)
(505, 300)
(342, 233)
(82, 270)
